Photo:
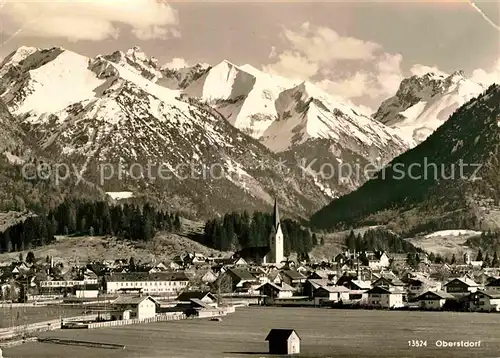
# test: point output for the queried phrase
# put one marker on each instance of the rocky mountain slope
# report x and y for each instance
(116, 126)
(449, 181)
(423, 103)
(296, 120)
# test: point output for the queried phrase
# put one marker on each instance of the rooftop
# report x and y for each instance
(280, 334)
(135, 300)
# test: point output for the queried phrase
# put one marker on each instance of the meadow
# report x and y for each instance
(324, 333)
(17, 316)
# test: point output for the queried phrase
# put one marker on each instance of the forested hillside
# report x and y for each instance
(240, 230)
(75, 217)
(449, 181)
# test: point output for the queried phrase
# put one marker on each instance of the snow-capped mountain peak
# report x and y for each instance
(423, 103)
(87, 112)
(137, 61)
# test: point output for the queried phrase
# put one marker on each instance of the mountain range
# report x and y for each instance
(449, 181)
(212, 138)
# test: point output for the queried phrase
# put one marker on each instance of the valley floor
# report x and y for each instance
(324, 333)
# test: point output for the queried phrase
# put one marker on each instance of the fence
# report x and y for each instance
(27, 329)
(124, 322)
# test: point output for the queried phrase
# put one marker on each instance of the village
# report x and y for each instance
(42, 294)
(194, 283)
(345, 282)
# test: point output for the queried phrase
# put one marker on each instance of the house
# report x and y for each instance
(312, 284)
(175, 265)
(155, 283)
(230, 261)
(476, 264)
(382, 297)
(242, 280)
(209, 277)
(417, 286)
(259, 273)
(346, 278)
(293, 278)
(302, 269)
(198, 258)
(331, 293)
(375, 260)
(255, 255)
(276, 291)
(494, 285)
(485, 301)
(134, 307)
(358, 296)
(433, 299)
(274, 277)
(203, 296)
(86, 291)
(283, 342)
(460, 286)
(388, 280)
(358, 285)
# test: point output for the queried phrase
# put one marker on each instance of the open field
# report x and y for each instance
(446, 242)
(17, 316)
(324, 333)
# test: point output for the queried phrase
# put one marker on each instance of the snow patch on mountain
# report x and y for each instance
(423, 103)
(306, 112)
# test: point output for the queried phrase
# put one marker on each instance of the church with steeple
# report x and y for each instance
(273, 252)
(275, 255)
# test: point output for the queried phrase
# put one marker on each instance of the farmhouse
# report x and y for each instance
(494, 285)
(312, 284)
(485, 301)
(204, 296)
(385, 298)
(417, 286)
(134, 307)
(358, 285)
(242, 280)
(461, 286)
(293, 278)
(331, 293)
(283, 341)
(433, 299)
(375, 260)
(155, 283)
(388, 280)
(273, 290)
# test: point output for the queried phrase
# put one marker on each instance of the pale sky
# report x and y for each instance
(358, 50)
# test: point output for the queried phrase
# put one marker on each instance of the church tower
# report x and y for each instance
(276, 240)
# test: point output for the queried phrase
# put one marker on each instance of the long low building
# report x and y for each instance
(161, 283)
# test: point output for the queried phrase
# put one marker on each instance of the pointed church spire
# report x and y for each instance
(276, 214)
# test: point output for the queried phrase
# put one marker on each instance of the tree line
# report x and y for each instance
(240, 230)
(79, 217)
(378, 240)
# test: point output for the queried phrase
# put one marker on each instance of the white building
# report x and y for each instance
(276, 253)
(331, 293)
(68, 283)
(87, 291)
(433, 300)
(135, 307)
(486, 301)
(385, 298)
(159, 283)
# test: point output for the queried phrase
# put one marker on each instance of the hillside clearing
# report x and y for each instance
(71, 250)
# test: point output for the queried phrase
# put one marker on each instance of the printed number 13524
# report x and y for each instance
(417, 343)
